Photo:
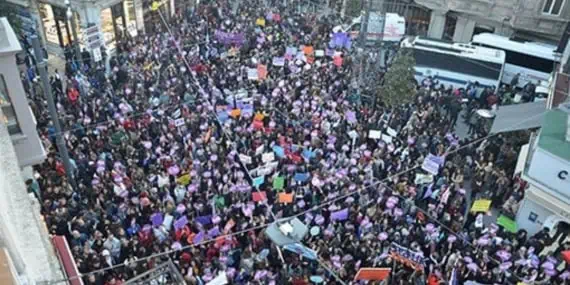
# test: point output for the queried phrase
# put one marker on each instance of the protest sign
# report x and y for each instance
(257, 181)
(301, 250)
(374, 134)
(407, 256)
(184, 179)
(179, 122)
(157, 219)
(372, 274)
(180, 223)
(279, 151)
(262, 71)
(258, 196)
(301, 177)
(432, 163)
(319, 53)
(230, 38)
(167, 223)
(340, 215)
(285, 197)
(421, 179)
(278, 183)
(507, 223)
(260, 22)
(278, 61)
(244, 158)
(259, 150)
(386, 138)
(308, 50)
(481, 205)
(391, 132)
(337, 60)
(252, 74)
(268, 157)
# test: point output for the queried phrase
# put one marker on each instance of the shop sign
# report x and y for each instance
(93, 37)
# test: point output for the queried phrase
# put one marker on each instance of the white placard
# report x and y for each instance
(259, 149)
(319, 53)
(244, 158)
(353, 134)
(252, 74)
(167, 223)
(278, 61)
(268, 157)
(221, 279)
(374, 134)
(423, 179)
(179, 122)
(432, 163)
(97, 56)
(386, 138)
(392, 132)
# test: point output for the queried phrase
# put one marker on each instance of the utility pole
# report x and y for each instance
(362, 41)
(60, 142)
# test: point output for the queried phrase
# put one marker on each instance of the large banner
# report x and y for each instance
(229, 38)
(407, 256)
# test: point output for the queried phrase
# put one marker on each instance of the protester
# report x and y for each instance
(229, 116)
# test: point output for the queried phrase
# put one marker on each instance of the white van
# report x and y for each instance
(394, 30)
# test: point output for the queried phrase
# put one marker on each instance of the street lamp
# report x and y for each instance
(75, 43)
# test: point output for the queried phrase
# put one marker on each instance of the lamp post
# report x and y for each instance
(75, 43)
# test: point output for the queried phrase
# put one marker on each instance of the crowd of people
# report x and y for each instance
(227, 117)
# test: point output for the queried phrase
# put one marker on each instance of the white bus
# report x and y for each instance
(534, 61)
(456, 64)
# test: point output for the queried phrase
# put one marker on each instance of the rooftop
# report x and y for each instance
(9, 43)
(552, 136)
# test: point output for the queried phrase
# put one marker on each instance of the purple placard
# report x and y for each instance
(157, 219)
(229, 38)
(180, 223)
(198, 238)
(213, 232)
(204, 220)
(340, 215)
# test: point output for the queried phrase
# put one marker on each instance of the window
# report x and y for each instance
(553, 7)
(10, 118)
(527, 61)
(457, 64)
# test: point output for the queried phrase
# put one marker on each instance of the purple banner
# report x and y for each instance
(340, 215)
(229, 38)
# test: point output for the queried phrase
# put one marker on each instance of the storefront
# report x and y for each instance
(113, 22)
(57, 28)
(117, 21)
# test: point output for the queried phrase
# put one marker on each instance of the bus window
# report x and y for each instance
(530, 62)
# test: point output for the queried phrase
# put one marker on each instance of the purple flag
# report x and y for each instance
(213, 232)
(198, 238)
(429, 191)
(204, 220)
(350, 117)
(180, 223)
(340, 215)
(157, 219)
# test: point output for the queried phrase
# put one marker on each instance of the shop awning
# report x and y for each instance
(519, 117)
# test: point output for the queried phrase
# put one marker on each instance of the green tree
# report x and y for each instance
(399, 83)
(7, 10)
(353, 8)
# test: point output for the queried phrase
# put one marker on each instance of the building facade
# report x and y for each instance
(547, 171)
(99, 23)
(459, 20)
(15, 108)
